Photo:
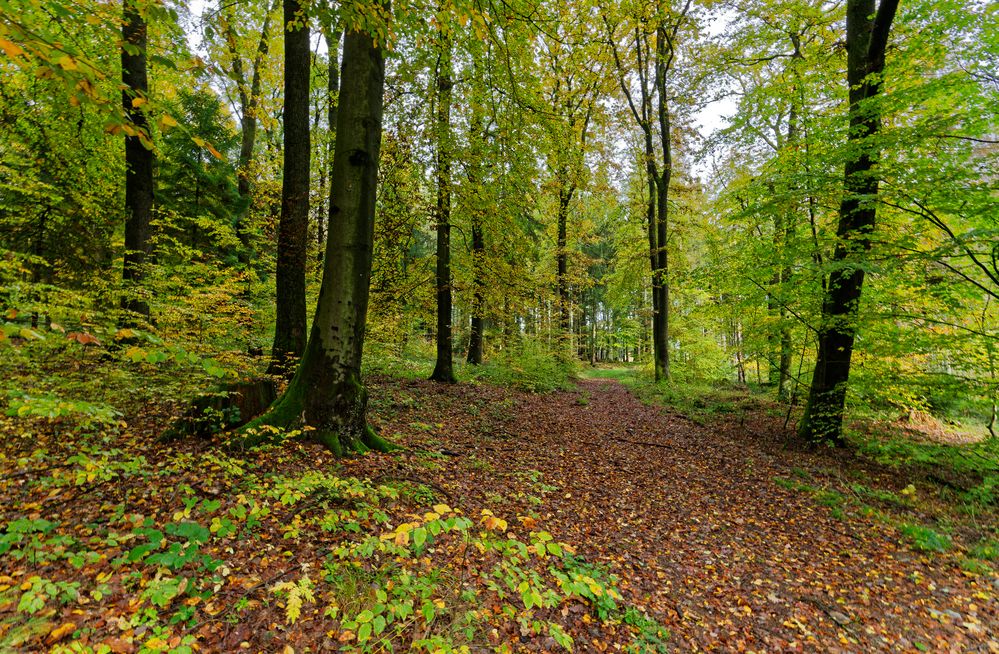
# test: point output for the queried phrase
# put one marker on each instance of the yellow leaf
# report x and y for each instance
(167, 121)
(138, 102)
(442, 508)
(10, 48)
(59, 633)
(67, 63)
(215, 153)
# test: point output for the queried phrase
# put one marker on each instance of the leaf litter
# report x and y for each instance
(506, 522)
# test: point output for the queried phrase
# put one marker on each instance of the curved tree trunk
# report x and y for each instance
(138, 155)
(289, 329)
(866, 40)
(327, 389)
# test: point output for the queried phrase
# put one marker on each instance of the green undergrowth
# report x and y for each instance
(699, 400)
(904, 510)
(166, 553)
(527, 368)
(970, 470)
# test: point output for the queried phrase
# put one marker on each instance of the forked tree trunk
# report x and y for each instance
(249, 99)
(327, 389)
(866, 40)
(293, 228)
(444, 368)
(138, 157)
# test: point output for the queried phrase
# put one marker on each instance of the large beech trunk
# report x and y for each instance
(289, 328)
(138, 157)
(866, 40)
(327, 389)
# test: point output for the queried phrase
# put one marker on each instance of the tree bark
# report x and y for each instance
(327, 389)
(444, 367)
(565, 193)
(138, 156)
(478, 298)
(290, 329)
(866, 41)
(333, 34)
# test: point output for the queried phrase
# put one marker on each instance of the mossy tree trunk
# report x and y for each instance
(327, 394)
(866, 41)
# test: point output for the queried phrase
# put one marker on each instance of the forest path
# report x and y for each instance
(693, 522)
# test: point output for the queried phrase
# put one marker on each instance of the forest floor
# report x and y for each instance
(696, 522)
(717, 531)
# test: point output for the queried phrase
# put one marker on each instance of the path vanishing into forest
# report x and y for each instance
(690, 518)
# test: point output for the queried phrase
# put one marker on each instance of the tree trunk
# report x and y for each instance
(478, 299)
(327, 388)
(332, 34)
(138, 156)
(249, 98)
(866, 40)
(293, 228)
(444, 368)
(566, 190)
(478, 137)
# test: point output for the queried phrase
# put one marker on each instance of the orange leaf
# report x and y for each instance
(10, 48)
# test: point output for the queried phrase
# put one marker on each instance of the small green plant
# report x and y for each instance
(925, 539)
(87, 415)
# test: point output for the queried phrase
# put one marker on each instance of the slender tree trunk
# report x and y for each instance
(327, 388)
(293, 228)
(138, 156)
(566, 190)
(478, 137)
(444, 368)
(478, 298)
(866, 40)
(249, 99)
(332, 34)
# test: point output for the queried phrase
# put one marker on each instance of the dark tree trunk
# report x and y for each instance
(289, 329)
(138, 157)
(332, 34)
(866, 40)
(478, 299)
(444, 368)
(478, 136)
(327, 388)
(565, 193)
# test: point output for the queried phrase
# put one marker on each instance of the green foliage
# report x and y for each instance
(925, 539)
(86, 415)
(529, 368)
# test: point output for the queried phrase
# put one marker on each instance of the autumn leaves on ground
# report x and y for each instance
(581, 520)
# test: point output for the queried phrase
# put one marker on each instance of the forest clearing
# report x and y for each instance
(499, 326)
